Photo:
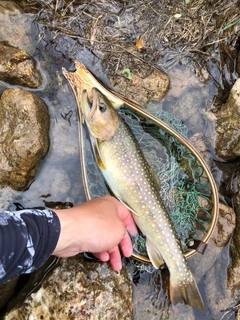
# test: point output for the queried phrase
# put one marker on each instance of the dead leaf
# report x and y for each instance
(139, 44)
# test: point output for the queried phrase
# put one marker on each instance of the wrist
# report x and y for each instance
(66, 245)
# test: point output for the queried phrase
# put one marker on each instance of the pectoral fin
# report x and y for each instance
(127, 206)
(154, 255)
(97, 153)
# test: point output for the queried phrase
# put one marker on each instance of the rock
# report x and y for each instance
(219, 298)
(55, 186)
(186, 108)
(219, 238)
(234, 268)
(17, 67)
(58, 182)
(28, 283)
(63, 138)
(6, 196)
(238, 64)
(152, 87)
(181, 80)
(145, 82)
(220, 292)
(198, 141)
(10, 6)
(225, 225)
(79, 289)
(228, 126)
(18, 31)
(7, 290)
(24, 126)
(61, 183)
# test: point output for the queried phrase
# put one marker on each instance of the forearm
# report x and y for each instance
(27, 237)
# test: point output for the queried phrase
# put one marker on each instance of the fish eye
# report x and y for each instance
(102, 108)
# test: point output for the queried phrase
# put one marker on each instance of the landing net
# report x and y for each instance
(185, 189)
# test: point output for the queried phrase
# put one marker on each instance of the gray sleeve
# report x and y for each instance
(27, 239)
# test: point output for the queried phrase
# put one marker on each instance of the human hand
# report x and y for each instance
(99, 226)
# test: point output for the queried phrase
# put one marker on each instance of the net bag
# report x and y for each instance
(187, 188)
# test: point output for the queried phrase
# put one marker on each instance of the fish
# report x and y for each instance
(132, 181)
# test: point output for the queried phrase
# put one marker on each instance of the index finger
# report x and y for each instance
(126, 216)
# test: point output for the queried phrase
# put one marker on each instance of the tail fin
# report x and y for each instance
(187, 293)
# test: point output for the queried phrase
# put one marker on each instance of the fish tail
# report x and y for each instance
(187, 293)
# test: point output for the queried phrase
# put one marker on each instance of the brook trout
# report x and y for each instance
(132, 181)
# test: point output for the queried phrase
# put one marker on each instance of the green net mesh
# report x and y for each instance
(185, 189)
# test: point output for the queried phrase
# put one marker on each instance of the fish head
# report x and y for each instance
(99, 115)
(82, 78)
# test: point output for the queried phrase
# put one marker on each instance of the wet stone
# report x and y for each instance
(79, 289)
(181, 80)
(10, 6)
(15, 26)
(228, 126)
(7, 290)
(58, 182)
(197, 140)
(138, 82)
(62, 137)
(238, 64)
(187, 108)
(6, 197)
(234, 268)
(225, 225)
(24, 126)
(17, 67)
(219, 238)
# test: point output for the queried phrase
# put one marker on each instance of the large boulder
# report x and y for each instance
(228, 126)
(17, 67)
(24, 127)
(139, 82)
(16, 26)
(79, 289)
(234, 268)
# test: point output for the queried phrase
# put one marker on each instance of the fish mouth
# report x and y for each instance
(88, 107)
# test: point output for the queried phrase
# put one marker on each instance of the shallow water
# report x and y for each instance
(58, 182)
